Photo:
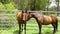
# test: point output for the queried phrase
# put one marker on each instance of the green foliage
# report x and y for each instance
(43, 4)
(25, 4)
(1, 6)
(5, 1)
(10, 6)
(40, 4)
(7, 4)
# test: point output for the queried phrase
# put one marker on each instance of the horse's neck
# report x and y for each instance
(36, 15)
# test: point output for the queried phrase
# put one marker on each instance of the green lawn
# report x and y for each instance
(31, 29)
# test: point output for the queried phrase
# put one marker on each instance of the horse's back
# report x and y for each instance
(49, 19)
(45, 20)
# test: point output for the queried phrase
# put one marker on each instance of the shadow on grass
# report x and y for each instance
(44, 33)
(34, 33)
(47, 33)
(31, 29)
(16, 32)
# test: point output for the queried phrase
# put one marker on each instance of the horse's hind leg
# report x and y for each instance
(55, 25)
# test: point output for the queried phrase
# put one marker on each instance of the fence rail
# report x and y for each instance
(28, 11)
(7, 18)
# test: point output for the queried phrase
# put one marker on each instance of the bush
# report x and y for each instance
(1, 6)
(10, 6)
(5, 1)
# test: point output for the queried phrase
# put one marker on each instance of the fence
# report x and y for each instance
(8, 17)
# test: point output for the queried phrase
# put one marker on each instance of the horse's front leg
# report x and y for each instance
(55, 27)
(19, 23)
(40, 29)
(19, 28)
(40, 25)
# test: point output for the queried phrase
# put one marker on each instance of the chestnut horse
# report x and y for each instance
(44, 20)
(22, 18)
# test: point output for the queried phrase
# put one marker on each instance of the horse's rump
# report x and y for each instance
(54, 18)
(47, 19)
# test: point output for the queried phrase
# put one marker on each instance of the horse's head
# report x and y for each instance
(30, 15)
(25, 16)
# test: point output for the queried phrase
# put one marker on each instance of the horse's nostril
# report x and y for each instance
(24, 19)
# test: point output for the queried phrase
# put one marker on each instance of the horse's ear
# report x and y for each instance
(22, 11)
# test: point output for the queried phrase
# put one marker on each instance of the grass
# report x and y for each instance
(31, 29)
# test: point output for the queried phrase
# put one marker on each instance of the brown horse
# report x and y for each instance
(44, 20)
(22, 17)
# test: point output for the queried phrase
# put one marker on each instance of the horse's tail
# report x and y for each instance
(57, 24)
(55, 21)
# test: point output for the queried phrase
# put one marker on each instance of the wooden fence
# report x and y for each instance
(8, 17)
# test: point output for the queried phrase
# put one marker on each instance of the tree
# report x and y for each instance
(38, 4)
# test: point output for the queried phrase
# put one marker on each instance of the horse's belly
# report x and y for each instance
(46, 23)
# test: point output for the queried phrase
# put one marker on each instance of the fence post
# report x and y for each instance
(57, 7)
